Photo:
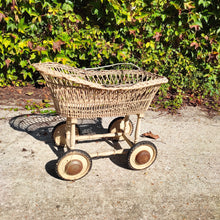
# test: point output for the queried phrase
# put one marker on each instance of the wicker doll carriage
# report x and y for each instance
(91, 93)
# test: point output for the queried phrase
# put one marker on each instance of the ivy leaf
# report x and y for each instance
(66, 7)
(6, 42)
(7, 62)
(189, 5)
(11, 26)
(204, 3)
(22, 26)
(194, 44)
(82, 57)
(13, 5)
(196, 27)
(23, 63)
(22, 44)
(30, 45)
(40, 48)
(57, 45)
(213, 57)
(157, 36)
(1, 16)
(33, 56)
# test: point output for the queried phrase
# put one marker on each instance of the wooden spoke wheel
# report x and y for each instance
(74, 165)
(114, 127)
(59, 134)
(142, 155)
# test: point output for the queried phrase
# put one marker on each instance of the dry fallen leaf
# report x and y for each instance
(150, 135)
(19, 91)
(29, 93)
(45, 100)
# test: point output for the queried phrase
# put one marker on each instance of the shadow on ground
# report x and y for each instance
(40, 126)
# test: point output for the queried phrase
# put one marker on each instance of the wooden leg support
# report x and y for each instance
(71, 132)
(137, 130)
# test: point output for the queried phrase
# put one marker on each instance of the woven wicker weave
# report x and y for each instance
(80, 93)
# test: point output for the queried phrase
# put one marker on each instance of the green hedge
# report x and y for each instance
(178, 39)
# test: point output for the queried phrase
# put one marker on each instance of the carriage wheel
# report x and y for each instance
(114, 127)
(142, 155)
(59, 134)
(74, 165)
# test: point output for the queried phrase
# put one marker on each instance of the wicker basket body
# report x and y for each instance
(79, 93)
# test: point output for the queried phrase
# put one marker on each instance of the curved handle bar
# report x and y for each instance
(117, 64)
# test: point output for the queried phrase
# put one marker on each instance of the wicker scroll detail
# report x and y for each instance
(82, 93)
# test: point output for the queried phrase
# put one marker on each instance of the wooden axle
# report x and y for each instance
(97, 136)
(108, 153)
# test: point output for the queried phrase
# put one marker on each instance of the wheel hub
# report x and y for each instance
(142, 157)
(73, 167)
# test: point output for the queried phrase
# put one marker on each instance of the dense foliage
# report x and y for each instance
(178, 39)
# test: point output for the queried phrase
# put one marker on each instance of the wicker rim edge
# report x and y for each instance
(81, 72)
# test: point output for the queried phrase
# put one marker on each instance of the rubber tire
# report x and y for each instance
(63, 134)
(115, 121)
(137, 148)
(61, 165)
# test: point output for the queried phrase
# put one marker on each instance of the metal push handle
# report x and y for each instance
(116, 64)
